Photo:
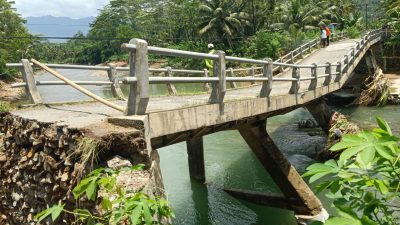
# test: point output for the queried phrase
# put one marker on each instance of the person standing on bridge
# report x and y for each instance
(209, 62)
(323, 36)
(328, 35)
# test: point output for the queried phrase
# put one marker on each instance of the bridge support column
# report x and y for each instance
(322, 113)
(370, 59)
(195, 151)
(297, 195)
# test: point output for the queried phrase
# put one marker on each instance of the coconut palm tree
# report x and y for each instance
(223, 19)
(299, 14)
(341, 11)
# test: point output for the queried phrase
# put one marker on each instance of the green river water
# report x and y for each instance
(229, 162)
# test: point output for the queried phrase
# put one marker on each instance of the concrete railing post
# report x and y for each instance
(115, 87)
(353, 55)
(301, 51)
(346, 63)
(295, 83)
(206, 86)
(232, 73)
(267, 85)
(281, 69)
(292, 57)
(171, 87)
(338, 72)
(328, 71)
(219, 89)
(314, 81)
(252, 73)
(30, 87)
(138, 67)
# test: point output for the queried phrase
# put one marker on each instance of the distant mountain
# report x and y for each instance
(58, 26)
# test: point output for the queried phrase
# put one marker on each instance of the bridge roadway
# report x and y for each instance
(179, 113)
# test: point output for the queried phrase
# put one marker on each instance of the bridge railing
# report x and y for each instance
(261, 71)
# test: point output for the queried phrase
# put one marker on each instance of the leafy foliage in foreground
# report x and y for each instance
(365, 181)
(117, 205)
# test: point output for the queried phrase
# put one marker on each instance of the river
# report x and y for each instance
(228, 160)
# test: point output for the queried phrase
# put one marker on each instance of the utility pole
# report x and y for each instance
(254, 18)
(366, 16)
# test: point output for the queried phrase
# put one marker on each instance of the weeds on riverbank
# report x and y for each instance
(117, 206)
(5, 106)
(365, 182)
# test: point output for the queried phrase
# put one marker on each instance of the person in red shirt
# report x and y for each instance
(328, 34)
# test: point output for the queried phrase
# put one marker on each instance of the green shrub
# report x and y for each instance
(265, 45)
(353, 32)
(124, 207)
(5, 106)
(365, 182)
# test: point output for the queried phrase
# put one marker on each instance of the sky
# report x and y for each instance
(69, 8)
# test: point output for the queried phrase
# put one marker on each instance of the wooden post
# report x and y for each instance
(206, 86)
(30, 87)
(296, 83)
(171, 87)
(115, 87)
(267, 85)
(338, 72)
(314, 82)
(219, 89)
(77, 87)
(328, 70)
(252, 73)
(233, 84)
(353, 55)
(195, 151)
(280, 169)
(139, 68)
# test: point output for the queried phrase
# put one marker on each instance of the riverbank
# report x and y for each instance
(9, 94)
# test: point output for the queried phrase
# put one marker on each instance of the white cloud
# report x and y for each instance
(68, 8)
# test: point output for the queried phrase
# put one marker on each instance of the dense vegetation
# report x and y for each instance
(11, 25)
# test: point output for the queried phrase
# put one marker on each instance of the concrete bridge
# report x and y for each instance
(298, 79)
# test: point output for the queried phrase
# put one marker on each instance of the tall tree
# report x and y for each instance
(11, 26)
(222, 19)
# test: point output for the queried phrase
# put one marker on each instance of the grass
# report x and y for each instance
(5, 106)
(87, 153)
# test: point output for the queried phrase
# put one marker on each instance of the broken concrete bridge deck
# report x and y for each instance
(90, 115)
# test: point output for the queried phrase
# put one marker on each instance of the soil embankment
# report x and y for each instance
(9, 94)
